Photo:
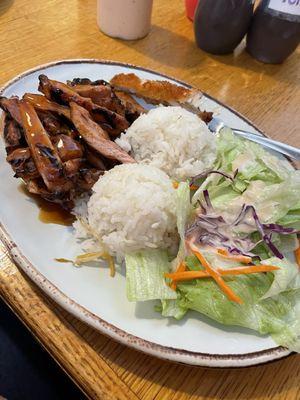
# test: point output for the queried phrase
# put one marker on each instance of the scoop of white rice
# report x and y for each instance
(133, 208)
(172, 139)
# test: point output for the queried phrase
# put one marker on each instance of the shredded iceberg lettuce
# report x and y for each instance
(145, 276)
(285, 278)
(173, 308)
(268, 183)
(183, 212)
(271, 301)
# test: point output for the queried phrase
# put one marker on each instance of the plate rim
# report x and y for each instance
(163, 352)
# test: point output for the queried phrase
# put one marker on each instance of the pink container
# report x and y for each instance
(190, 8)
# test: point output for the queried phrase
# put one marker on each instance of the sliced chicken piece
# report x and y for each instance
(92, 134)
(37, 186)
(72, 166)
(12, 133)
(62, 93)
(160, 92)
(68, 148)
(86, 179)
(11, 106)
(132, 108)
(41, 103)
(87, 81)
(44, 154)
(56, 125)
(94, 159)
(50, 122)
(102, 95)
(112, 122)
(22, 163)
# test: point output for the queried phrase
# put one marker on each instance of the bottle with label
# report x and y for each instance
(275, 30)
(221, 25)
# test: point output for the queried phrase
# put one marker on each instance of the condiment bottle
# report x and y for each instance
(124, 19)
(220, 25)
(275, 30)
(190, 8)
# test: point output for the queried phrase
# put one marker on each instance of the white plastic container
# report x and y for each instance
(124, 19)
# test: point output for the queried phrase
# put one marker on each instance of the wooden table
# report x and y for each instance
(35, 32)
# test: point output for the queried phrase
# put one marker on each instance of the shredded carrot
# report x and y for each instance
(181, 268)
(297, 255)
(192, 187)
(189, 275)
(215, 275)
(250, 269)
(239, 258)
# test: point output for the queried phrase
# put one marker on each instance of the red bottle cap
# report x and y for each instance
(190, 8)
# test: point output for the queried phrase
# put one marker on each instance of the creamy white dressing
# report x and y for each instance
(125, 19)
(241, 162)
(252, 196)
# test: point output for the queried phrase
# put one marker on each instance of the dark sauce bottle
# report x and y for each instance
(275, 30)
(220, 25)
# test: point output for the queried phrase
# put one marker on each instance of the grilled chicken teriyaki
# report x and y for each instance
(60, 142)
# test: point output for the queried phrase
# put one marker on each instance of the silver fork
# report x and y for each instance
(216, 125)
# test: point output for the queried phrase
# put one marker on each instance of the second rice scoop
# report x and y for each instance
(172, 139)
(133, 207)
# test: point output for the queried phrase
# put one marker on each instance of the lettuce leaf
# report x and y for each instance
(278, 316)
(286, 244)
(251, 159)
(290, 337)
(268, 183)
(286, 278)
(206, 297)
(292, 218)
(145, 276)
(271, 301)
(183, 212)
(173, 308)
(183, 207)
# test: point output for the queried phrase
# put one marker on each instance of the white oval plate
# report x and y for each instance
(88, 292)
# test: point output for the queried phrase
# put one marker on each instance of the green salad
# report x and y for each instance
(237, 258)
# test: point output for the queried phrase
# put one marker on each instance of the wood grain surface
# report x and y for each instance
(35, 32)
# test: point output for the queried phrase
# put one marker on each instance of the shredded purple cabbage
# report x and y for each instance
(211, 229)
(276, 228)
(207, 199)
